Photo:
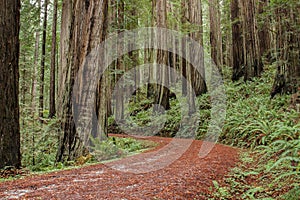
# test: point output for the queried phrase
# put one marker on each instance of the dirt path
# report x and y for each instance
(188, 177)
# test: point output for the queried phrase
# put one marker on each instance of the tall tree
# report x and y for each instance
(162, 93)
(287, 79)
(215, 32)
(35, 64)
(196, 78)
(184, 22)
(237, 41)
(134, 55)
(9, 83)
(226, 33)
(52, 110)
(42, 73)
(84, 25)
(119, 112)
(264, 29)
(252, 56)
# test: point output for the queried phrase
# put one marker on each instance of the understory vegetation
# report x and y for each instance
(267, 130)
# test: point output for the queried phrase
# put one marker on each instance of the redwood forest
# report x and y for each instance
(150, 99)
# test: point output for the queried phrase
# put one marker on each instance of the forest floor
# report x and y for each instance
(188, 177)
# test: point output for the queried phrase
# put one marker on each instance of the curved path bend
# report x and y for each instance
(188, 177)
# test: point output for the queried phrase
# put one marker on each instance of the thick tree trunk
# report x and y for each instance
(264, 30)
(197, 79)
(52, 111)
(227, 34)
(252, 57)
(162, 93)
(237, 41)
(287, 79)
(42, 73)
(215, 33)
(84, 25)
(9, 83)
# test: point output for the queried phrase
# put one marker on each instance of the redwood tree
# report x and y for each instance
(195, 18)
(252, 56)
(237, 41)
(162, 93)
(42, 72)
(215, 33)
(84, 25)
(287, 79)
(9, 83)
(52, 110)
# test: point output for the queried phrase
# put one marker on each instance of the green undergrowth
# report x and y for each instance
(270, 128)
(39, 143)
(257, 178)
(39, 147)
(115, 147)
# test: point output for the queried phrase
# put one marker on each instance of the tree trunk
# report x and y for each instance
(287, 78)
(227, 44)
(162, 93)
(119, 112)
(215, 33)
(52, 111)
(264, 30)
(9, 83)
(252, 57)
(195, 18)
(237, 41)
(152, 54)
(184, 18)
(42, 73)
(84, 26)
(36, 57)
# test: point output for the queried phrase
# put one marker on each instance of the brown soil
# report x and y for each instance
(188, 177)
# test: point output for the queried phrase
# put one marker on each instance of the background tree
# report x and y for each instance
(287, 53)
(252, 56)
(215, 33)
(162, 76)
(119, 111)
(42, 72)
(264, 29)
(52, 110)
(9, 84)
(195, 18)
(237, 41)
(35, 63)
(226, 32)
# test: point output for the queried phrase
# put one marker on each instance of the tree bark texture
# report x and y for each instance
(162, 93)
(215, 33)
(287, 79)
(252, 57)
(196, 78)
(237, 41)
(84, 25)
(264, 29)
(9, 83)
